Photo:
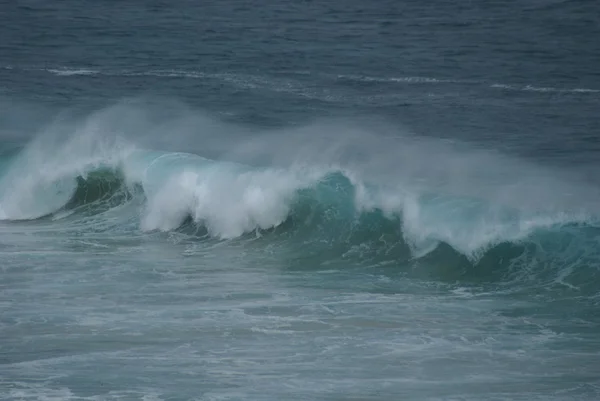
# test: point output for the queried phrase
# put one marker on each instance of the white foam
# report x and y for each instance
(470, 226)
(65, 72)
(227, 202)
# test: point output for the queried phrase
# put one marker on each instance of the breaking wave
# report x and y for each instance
(404, 199)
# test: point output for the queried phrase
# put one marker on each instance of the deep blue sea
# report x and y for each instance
(300, 200)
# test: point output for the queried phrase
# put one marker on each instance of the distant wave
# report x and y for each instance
(416, 80)
(68, 72)
(283, 85)
(431, 80)
(237, 78)
(530, 88)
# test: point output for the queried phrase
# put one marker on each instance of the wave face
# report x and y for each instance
(400, 200)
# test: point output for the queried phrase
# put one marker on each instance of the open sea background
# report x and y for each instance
(301, 200)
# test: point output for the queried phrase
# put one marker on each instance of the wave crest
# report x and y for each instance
(406, 197)
(229, 200)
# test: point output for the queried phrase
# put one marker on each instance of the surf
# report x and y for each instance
(329, 189)
(230, 200)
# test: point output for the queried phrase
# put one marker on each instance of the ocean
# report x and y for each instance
(308, 200)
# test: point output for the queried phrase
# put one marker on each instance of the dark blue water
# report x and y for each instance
(308, 200)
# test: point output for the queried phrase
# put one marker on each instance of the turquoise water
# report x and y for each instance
(308, 201)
